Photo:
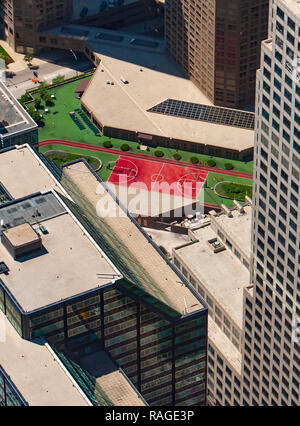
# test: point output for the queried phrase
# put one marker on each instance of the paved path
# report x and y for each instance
(143, 157)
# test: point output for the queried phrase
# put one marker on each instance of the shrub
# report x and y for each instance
(211, 163)
(158, 153)
(58, 79)
(107, 144)
(194, 160)
(177, 156)
(228, 166)
(125, 147)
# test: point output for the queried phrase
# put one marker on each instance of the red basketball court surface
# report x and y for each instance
(157, 176)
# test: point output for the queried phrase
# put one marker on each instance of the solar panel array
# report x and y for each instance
(210, 114)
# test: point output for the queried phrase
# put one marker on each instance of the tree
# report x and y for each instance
(28, 58)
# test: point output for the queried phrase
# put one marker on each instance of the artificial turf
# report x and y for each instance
(104, 173)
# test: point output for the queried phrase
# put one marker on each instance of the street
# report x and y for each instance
(60, 64)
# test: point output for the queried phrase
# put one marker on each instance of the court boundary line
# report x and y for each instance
(158, 174)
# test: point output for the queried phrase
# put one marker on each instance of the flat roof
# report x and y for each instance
(223, 275)
(142, 259)
(13, 117)
(237, 227)
(68, 265)
(111, 380)
(22, 173)
(34, 371)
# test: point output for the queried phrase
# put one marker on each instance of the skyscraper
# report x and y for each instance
(217, 44)
(265, 368)
(271, 356)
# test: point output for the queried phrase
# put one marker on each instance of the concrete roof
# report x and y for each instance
(221, 273)
(293, 6)
(111, 380)
(125, 105)
(13, 114)
(22, 173)
(67, 266)
(237, 227)
(124, 236)
(34, 371)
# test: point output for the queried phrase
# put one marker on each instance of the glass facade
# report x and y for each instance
(164, 356)
(9, 395)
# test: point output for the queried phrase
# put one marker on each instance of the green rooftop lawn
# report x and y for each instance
(63, 157)
(207, 193)
(233, 190)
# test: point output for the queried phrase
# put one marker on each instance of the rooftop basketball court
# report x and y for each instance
(157, 176)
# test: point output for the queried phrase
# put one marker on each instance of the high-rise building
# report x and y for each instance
(94, 286)
(271, 360)
(217, 44)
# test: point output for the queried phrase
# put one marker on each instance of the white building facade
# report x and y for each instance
(271, 352)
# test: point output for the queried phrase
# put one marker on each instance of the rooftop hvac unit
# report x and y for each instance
(238, 206)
